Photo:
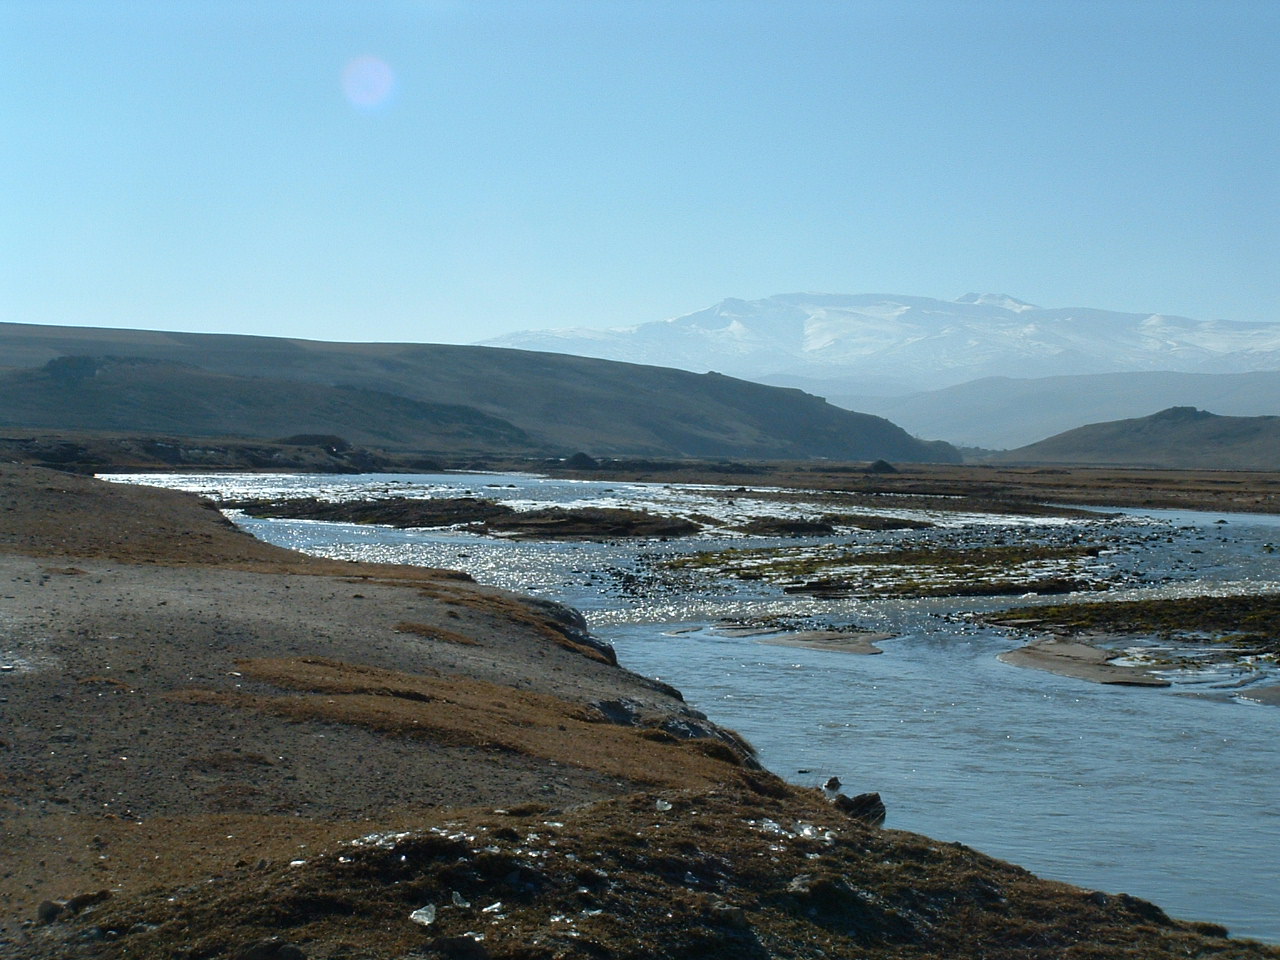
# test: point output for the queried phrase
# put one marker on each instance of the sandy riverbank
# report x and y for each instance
(200, 725)
(857, 643)
(1069, 658)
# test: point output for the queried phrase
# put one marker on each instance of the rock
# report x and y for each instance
(624, 712)
(830, 901)
(786, 527)
(49, 911)
(729, 914)
(273, 948)
(424, 915)
(1144, 910)
(588, 523)
(401, 512)
(459, 948)
(86, 900)
(800, 884)
(867, 807)
(832, 784)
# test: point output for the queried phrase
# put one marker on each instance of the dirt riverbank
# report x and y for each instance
(199, 728)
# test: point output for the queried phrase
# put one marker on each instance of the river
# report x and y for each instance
(1170, 794)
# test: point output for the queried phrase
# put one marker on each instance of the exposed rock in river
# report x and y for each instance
(588, 523)
(392, 511)
(487, 516)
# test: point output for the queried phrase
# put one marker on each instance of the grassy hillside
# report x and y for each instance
(1178, 437)
(555, 403)
(130, 394)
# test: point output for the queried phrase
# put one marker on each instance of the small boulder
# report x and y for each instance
(86, 900)
(729, 914)
(582, 461)
(867, 807)
(49, 911)
(459, 948)
(272, 948)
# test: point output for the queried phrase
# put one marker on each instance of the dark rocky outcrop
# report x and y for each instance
(581, 461)
(588, 523)
(867, 807)
(787, 527)
(392, 511)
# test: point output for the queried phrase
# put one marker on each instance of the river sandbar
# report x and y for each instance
(858, 643)
(1083, 661)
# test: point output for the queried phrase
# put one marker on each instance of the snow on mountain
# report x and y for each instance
(918, 341)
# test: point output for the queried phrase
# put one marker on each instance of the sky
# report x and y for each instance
(451, 170)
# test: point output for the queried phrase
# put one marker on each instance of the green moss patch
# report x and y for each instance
(912, 571)
(1253, 620)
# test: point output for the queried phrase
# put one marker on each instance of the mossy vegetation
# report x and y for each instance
(1252, 620)
(918, 570)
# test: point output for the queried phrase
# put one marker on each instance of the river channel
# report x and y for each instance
(1170, 794)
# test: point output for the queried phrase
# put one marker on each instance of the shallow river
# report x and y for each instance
(1170, 794)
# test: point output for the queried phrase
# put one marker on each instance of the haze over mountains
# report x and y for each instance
(1000, 413)
(919, 343)
(943, 368)
(421, 397)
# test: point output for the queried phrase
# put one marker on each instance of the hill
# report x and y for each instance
(1004, 412)
(1181, 437)
(426, 397)
(156, 396)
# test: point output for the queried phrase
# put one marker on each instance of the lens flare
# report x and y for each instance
(367, 82)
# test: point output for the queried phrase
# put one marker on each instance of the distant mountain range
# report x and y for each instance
(420, 397)
(899, 344)
(1181, 437)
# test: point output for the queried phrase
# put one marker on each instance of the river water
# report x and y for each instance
(1170, 794)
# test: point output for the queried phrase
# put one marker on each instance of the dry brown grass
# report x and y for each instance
(463, 711)
(728, 874)
(511, 610)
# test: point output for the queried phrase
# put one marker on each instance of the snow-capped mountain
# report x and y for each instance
(898, 344)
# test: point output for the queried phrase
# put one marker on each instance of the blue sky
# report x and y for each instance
(493, 166)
